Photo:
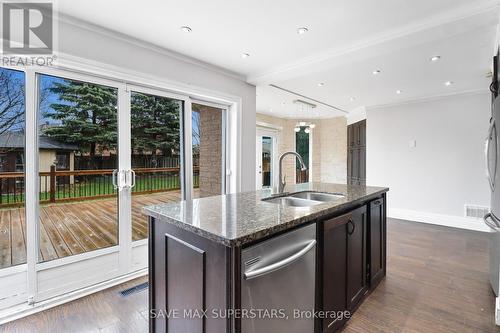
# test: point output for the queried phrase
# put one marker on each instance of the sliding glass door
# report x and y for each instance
(13, 279)
(80, 156)
(156, 154)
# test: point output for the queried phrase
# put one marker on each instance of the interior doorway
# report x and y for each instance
(266, 148)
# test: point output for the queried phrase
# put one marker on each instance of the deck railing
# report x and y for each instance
(59, 186)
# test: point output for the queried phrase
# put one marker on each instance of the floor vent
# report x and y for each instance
(133, 290)
(477, 212)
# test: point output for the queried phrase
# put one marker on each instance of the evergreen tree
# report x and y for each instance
(155, 124)
(86, 115)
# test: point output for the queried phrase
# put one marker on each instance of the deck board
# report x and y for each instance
(72, 228)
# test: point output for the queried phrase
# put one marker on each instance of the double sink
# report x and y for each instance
(304, 199)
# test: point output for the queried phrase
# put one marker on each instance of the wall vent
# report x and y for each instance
(477, 212)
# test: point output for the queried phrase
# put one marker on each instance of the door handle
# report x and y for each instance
(493, 223)
(280, 264)
(114, 179)
(350, 222)
(491, 178)
(132, 173)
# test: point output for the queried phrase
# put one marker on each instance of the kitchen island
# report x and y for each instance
(215, 264)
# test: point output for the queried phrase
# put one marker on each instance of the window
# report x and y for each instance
(62, 161)
(3, 162)
(302, 142)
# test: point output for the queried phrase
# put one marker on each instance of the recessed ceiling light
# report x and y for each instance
(448, 83)
(270, 110)
(302, 30)
(398, 91)
(376, 72)
(245, 55)
(321, 84)
(186, 28)
(352, 99)
(435, 58)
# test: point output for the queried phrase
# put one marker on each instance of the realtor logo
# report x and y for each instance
(27, 28)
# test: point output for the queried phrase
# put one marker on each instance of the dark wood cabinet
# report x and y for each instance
(353, 259)
(356, 153)
(185, 270)
(334, 270)
(377, 241)
(356, 257)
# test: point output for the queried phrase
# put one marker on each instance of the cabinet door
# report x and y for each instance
(349, 166)
(356, 257)
(356, 133)
(355, 164)
(334, 270)
(377, 242)
(350, 137)
(362, 133)
(362, 164)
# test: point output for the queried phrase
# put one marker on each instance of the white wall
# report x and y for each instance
(96, 44)
(446, 169)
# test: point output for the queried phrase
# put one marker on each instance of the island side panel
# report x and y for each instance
(174, 254)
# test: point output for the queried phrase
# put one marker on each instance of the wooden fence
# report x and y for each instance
(60, 186)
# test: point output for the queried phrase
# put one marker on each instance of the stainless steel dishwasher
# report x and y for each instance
(278, 278)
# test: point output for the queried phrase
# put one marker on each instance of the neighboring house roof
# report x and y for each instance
(16, 140)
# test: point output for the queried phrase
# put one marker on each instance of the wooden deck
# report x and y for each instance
(73, 228)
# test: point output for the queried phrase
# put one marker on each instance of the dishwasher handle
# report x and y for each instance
(280, 264)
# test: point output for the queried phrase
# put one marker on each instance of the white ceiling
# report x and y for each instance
(346, 41)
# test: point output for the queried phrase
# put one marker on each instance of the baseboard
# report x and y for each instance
(24, 310)
(460, 222)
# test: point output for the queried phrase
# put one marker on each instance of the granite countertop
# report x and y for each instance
(240, 218)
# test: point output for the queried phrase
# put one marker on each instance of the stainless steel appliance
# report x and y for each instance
(493, 173)
(278, 278)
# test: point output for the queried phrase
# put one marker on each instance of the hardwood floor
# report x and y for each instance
(437, 281)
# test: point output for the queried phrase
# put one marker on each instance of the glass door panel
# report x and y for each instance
(78, 153)
(208, 128)
(267, 161)
(302, 147)
(12, 167)
(156, 155)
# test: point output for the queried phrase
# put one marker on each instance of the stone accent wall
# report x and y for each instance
(210, 151)
(333, 137)
(329, 147)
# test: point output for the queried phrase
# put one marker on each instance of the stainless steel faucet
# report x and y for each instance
(282, 181)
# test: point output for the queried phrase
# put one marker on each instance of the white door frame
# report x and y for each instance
(56, 277)
(274, 134)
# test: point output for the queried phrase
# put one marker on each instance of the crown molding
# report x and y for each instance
(430, 98)
(97, 29)
(454, 16)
